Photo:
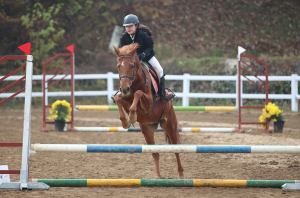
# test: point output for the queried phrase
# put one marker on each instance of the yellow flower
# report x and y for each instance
(64, 103)
(267, 107)
(54, 106)
(49, 118)
(264, 114)
(69, 110)
(277, 112)
(272, 112)
(63, 112)
(261, 119)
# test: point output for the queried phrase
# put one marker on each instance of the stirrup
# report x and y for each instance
(170, 96)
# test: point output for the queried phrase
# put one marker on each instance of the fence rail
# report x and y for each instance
(185, 94)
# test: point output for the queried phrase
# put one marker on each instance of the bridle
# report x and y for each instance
(134, 69)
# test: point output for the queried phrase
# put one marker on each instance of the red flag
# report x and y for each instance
(25, 48)
(71, 48)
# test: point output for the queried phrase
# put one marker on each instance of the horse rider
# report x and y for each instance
(142, 35)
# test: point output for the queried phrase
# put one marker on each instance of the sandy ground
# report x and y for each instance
(141, 166)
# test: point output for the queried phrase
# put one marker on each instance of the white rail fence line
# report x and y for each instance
(185, 94)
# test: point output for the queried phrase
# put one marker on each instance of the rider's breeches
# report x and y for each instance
(154, 62)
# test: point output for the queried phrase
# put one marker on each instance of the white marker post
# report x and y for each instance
(240, 51)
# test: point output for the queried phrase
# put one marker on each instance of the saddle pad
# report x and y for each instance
(154, 84)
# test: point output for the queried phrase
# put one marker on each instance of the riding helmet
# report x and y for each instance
(130, 19)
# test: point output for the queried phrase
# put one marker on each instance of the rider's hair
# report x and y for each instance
(146, 29)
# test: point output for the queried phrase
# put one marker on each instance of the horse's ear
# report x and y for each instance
(135, 46)
(117, 51)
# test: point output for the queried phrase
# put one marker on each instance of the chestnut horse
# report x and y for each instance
(136, 100)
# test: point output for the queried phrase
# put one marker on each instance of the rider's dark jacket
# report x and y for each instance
(145, 42)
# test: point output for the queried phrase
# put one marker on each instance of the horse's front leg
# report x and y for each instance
(146, 102)
(122, 116)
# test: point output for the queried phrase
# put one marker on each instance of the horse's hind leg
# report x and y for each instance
(170, 127)
(148, 131)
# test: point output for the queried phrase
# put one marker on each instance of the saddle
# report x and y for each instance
(155, 80)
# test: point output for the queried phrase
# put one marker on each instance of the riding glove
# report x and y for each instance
(141, 56)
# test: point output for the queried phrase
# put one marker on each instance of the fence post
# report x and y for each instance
(27, 124)
(73, 74)
(46, 90)
(241, 92)
(72, 90)
(237, 89)
(110, 87)
(294, 93)
(186, 90)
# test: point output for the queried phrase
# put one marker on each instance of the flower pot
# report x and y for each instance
(59, 125)
(278, 126)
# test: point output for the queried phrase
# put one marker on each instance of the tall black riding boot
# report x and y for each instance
(163, 93)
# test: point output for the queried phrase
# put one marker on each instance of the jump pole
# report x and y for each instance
(121, 129)
(165, 183)
(176, 108)
(164, 148)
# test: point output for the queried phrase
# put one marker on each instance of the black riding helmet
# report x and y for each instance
(131, 19)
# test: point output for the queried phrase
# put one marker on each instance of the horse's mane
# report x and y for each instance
(124, 51)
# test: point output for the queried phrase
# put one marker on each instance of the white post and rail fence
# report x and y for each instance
(185, 94)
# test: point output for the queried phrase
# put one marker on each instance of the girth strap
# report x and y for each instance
(145, 77)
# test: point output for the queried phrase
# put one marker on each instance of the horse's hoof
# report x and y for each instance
(181, 176)
(132, 119)
(158, 177)
(132, 122)
(125, 125)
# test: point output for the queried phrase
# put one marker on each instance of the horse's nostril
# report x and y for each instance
(127, 89)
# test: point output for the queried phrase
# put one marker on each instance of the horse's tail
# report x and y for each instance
(168, 140)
